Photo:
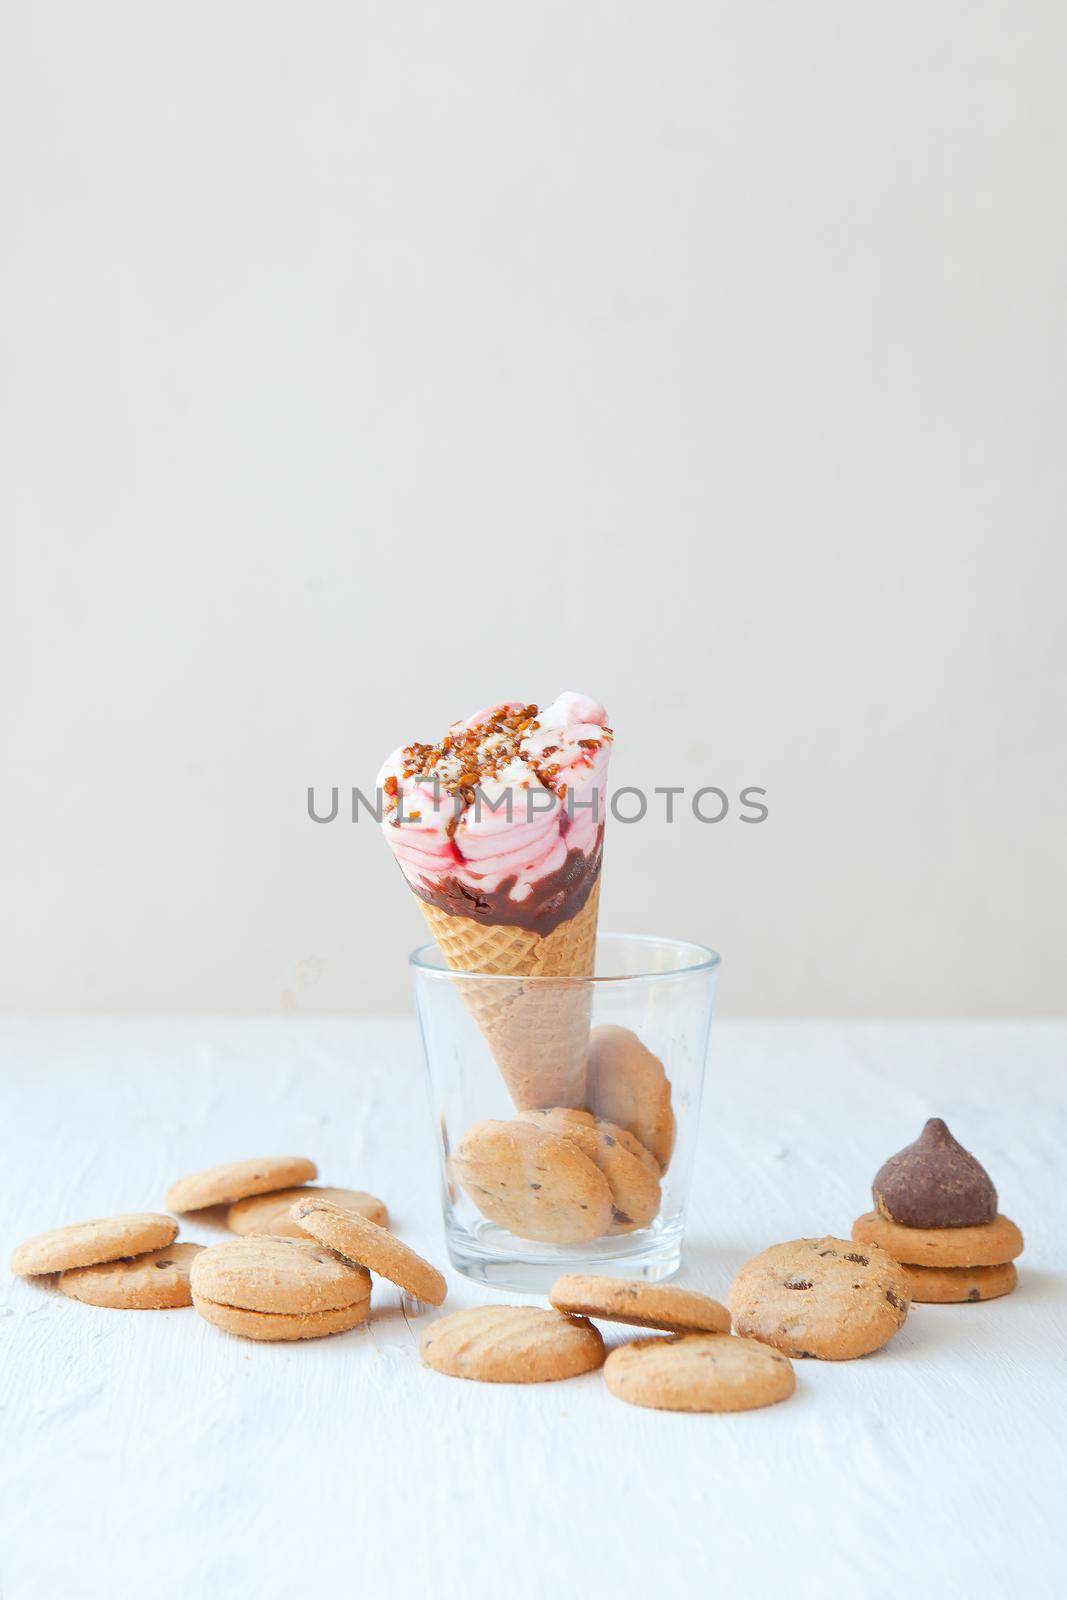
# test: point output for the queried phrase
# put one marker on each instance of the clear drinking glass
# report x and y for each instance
(518, 1209)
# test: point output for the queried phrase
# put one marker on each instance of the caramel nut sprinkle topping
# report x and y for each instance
(467, 757)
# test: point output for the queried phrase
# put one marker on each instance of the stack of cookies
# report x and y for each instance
(127, 1263)
(236, 1180)
(936, 1213)
(271, 1287)
(567, 1176)
(261, 1194)
(299, 1267)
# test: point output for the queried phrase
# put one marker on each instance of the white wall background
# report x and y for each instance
(362, 363)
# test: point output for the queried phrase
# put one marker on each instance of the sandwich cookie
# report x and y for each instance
(265, 1288)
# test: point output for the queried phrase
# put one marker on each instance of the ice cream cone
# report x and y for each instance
(538, 1032)
(499, 831)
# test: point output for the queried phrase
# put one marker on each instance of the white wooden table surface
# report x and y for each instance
(149, 1453)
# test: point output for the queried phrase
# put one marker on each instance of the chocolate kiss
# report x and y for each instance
(935, 1183)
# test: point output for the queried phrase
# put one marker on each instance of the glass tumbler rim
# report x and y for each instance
(428, 961)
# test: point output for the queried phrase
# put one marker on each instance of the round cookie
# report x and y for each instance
(931, 1286)
(572, 1115)
(269, 1213)
(699, 1372)
(277, 1275)
(988, 1245)
(821, 1297)
(534, 1183)
(634, 1183)
(645, 1305)
(511, 1344)
(361, 1241)
(233, 1180)
(271, 1326)
(84, 1244)
(628, 1086)
(635, 1147)
(158, 1281)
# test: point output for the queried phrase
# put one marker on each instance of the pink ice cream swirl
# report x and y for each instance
(503, 820)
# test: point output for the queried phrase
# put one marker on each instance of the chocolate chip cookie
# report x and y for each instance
(84, 1244)
(234, 1180)
(828, 1298)
(645, 1305)
(157, 1281)
(940, 1286)
(533, 1182)
(699, 1372)
(511, 1344)
(269, 1213)
(633, 1181)
(988, 1245)
(360, 1240)
(626, 1084)
(264, 1288)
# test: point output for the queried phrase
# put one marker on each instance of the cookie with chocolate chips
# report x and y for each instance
(950, 1286)
(270, 1213)
(645, 1305)
(511, 1344)
(156, 1281)
(362, 1242)
(828, 1298)
(988, 1245)
(236, 1180)
(533, 1182)
(627, 1085)
(632, 1178)
(699, 1372)
(269, 1289)
(86, 1244)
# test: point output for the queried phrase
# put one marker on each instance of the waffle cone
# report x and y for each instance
(539, 1034)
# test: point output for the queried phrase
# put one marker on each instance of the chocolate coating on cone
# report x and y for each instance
(935, 1183)
(554, 898)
